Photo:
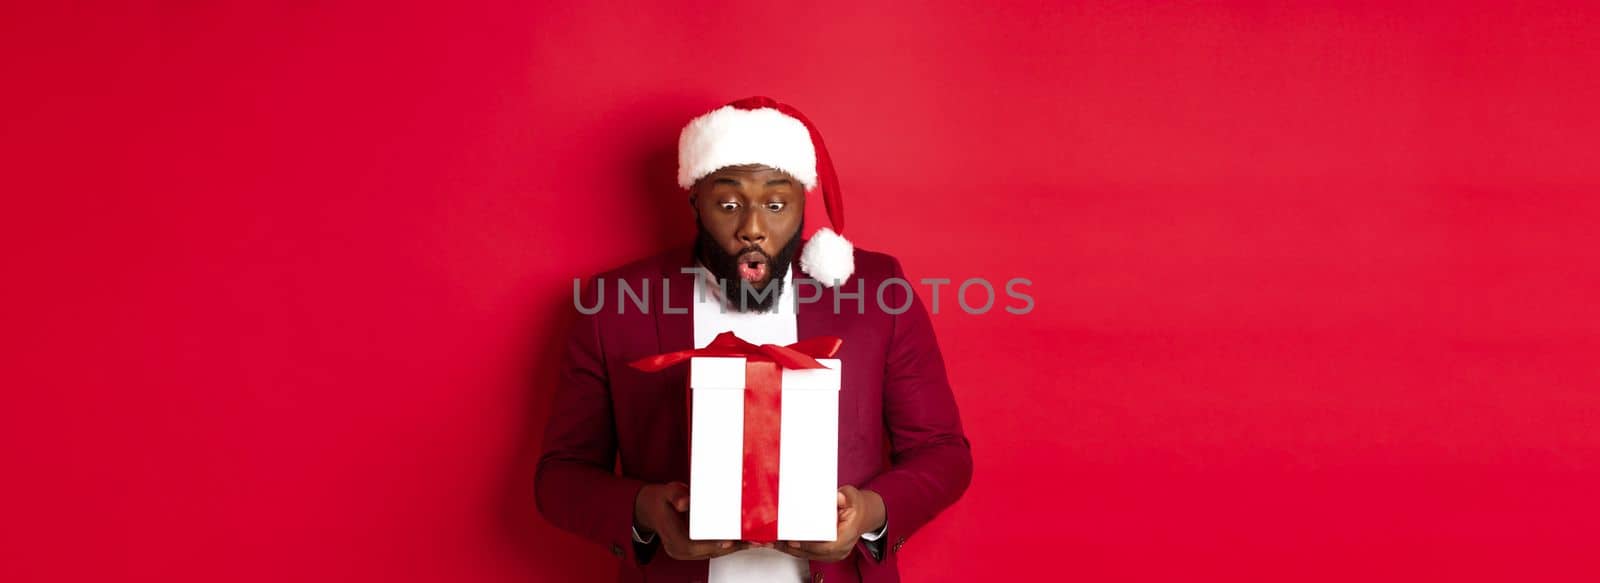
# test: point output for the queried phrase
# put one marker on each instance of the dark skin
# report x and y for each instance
(742, 206)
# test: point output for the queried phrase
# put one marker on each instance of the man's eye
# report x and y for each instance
(774, 206)
(728, 206)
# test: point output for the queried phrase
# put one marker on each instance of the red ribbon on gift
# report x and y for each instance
(763, 415)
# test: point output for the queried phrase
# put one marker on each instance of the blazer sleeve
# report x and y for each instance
(931, 459)
(575, 486)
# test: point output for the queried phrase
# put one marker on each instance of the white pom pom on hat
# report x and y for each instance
(828, 257)
(760, 130)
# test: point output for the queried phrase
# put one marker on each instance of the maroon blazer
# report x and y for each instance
(899, 431)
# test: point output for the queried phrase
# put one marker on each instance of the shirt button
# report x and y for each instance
(899, 543)
(616, 550)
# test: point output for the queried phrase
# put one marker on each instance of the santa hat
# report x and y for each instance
(759, 130)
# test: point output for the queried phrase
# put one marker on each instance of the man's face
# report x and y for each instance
(752, 214)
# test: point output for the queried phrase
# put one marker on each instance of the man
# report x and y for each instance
(902, 454)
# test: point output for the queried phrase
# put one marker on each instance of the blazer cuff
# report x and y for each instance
(902, 501)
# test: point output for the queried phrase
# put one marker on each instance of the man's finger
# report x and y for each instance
(696, 549)
(816, 551)
(797, 549)
(716, 548)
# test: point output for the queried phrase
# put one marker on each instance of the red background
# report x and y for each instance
(1314, 285)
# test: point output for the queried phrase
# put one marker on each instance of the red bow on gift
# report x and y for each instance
(802, 354)
(763, 406)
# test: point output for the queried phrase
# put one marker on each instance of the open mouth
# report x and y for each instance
(753, 267)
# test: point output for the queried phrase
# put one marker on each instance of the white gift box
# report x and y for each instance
(808, 456)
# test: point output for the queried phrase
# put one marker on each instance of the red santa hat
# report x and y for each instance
(759, 130)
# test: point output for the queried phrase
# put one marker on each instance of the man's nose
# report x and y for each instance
(752, 230)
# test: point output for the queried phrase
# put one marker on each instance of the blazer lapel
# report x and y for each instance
(676, 331)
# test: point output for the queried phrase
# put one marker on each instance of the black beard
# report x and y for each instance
(741, 296)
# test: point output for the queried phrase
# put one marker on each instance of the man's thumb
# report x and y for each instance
(679, 496)
(846, 494)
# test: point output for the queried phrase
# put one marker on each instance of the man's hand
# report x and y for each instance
(860, 511)
(660, 508)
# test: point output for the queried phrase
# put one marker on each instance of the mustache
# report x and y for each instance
(724, 265)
